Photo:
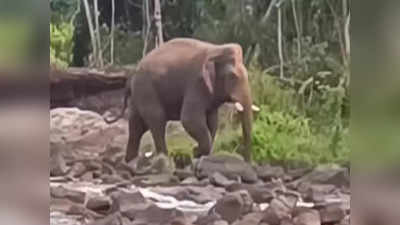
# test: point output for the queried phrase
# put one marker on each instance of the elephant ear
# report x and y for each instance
(220, 53)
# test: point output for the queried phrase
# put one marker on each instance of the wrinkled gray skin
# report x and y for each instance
(187, 80)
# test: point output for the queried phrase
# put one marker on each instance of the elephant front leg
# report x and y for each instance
(195, 123)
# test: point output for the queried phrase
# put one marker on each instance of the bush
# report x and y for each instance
(61, 44)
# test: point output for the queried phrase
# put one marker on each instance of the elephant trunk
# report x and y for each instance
(246, 117)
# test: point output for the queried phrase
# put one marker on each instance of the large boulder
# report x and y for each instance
(229, 166)
(85, 131)
(233, 205)
(326, 174)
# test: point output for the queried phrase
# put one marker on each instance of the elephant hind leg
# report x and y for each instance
(154, 116)
(137, 128)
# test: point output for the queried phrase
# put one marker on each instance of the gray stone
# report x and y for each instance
(100, 204)
(234, 205)
(230, 166)
(307, 217)
(124, 201)
(326, 174)
(250, 219)
(276, 212)
(62, 192)
(267, 172)
(220, 180)
(332, 213)
(190, 181)
(58, 166)
(113, 219)
(259, 193)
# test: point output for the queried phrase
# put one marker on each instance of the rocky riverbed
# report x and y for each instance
(90, 184)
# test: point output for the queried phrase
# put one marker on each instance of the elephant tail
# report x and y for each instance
(126, 97)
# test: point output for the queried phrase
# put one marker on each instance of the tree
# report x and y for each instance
(91, 29)
(157, 21)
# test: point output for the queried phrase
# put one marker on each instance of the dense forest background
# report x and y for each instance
(297, 53)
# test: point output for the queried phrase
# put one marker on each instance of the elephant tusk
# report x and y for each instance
(255, 108)
(148, 154)
(239, 107)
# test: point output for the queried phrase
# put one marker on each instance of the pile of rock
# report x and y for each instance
(95, 187)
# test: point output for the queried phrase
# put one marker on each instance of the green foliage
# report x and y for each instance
(281, 138)
(61, 44)
(128, 46)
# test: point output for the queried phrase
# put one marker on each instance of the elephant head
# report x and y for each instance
(226, 79)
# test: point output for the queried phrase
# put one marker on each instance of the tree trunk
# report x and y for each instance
(146, 36)
(112, 31)
(99, 52)
(157, 21)
(280, 41)
(347, 36)
(91, 30)
(296, 22)
(269, 10)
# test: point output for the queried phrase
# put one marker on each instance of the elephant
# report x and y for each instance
(188, 80)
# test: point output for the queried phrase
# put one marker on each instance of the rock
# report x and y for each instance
(345, 221)
(326, 174)
(200, 195)
(315, 192)
(180, 221)
(220, 222)
(207, 219)
(206, 194)
(70, 208)
(183, 174)
(156, 164)
(62, 192)
(78, 169)
(276, 212)
(267, 172)
(88, 176)
(287, 222)
(59, 218)
(111, 179)
(180, 193)
(123, 201)
(234, 205)
(220, 180)
(332, 213)
(259, 193)
(113, 219)
(190, 181)
(250, 219)
(298, 172)
(229, 166)
(152, 214)
(84, 130)
(99, 204)
(155, 179)
(58, 167)
(307, 217)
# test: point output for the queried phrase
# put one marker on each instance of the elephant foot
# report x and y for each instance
(131, 165)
